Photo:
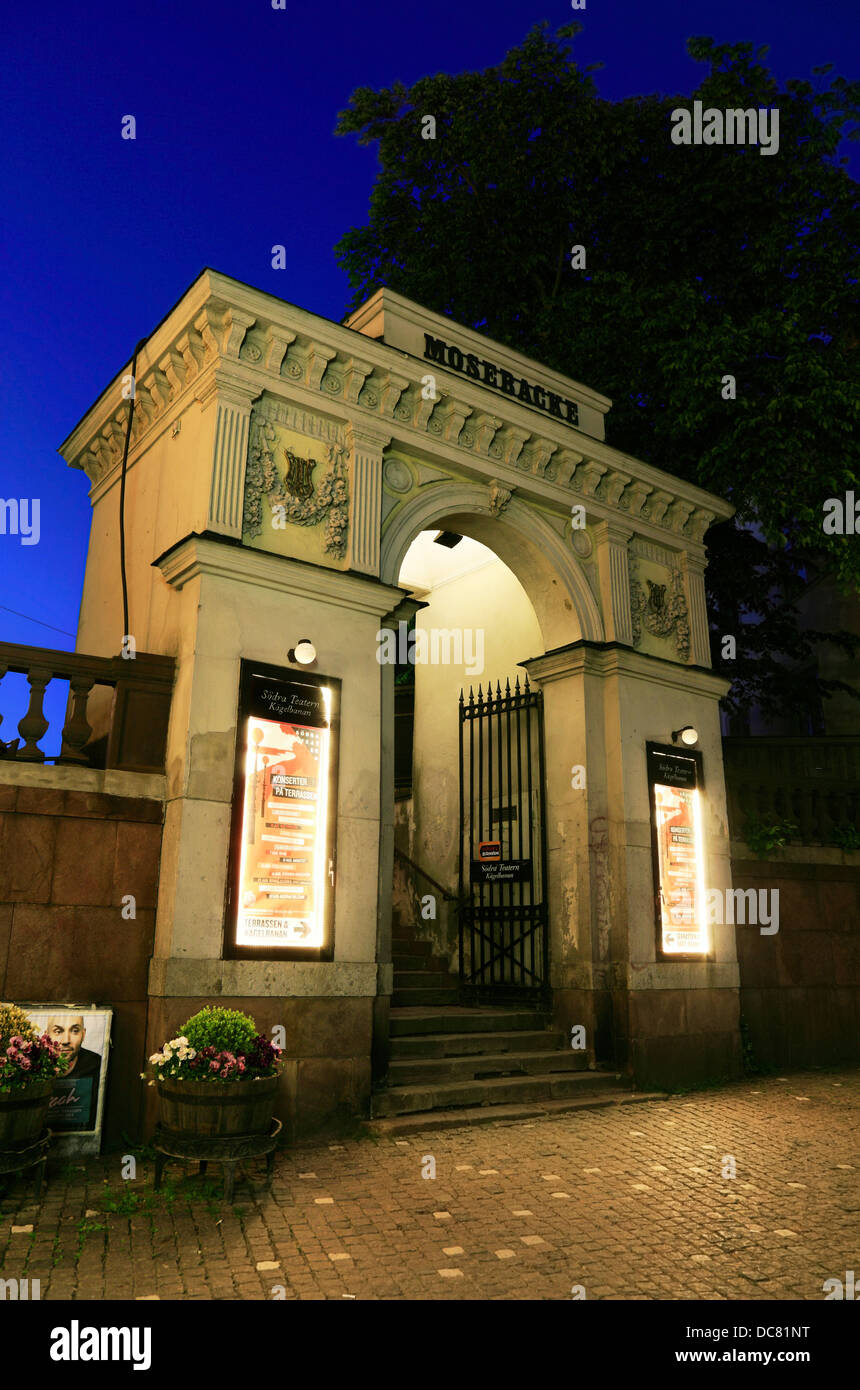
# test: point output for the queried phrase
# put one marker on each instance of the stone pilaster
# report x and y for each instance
(366, 447)
(232, 403)
(693, 570)
(612, 541)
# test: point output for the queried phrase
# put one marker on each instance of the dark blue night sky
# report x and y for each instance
(235, 106)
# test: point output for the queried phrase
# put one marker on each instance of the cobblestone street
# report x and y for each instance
(629, 1202)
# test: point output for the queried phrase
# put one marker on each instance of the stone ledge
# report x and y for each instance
(681, 974)
(792, 861)
(103, 781)
(189, 976)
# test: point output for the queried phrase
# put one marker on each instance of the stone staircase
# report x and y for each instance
(453, 1064)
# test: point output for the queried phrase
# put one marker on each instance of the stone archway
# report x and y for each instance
(554, 582)
(547, 569)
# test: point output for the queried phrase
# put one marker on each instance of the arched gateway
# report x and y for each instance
(280, 468)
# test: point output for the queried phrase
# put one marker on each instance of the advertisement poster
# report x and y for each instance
(676, 809)
(84, 1036)
(285, 868)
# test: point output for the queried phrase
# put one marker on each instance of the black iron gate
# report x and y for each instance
(504, 941)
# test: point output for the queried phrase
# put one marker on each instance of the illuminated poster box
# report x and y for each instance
(677, 837)
(281, 880)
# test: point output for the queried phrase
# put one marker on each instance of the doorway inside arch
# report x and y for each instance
(470, 860)
(470, 1021)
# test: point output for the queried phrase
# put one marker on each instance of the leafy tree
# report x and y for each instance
(701, 262)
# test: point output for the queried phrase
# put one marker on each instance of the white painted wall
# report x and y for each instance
(489, 600)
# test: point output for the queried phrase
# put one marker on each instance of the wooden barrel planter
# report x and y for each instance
(23, 1114)
(217, 1107)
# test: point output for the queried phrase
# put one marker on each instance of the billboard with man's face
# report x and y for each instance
(83, 1036)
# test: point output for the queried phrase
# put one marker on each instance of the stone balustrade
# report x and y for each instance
(813, 783)
(136, 735)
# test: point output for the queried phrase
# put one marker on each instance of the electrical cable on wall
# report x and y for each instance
(123, 577)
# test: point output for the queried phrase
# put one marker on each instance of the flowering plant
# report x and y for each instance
(249, 1057)
(25, 1057)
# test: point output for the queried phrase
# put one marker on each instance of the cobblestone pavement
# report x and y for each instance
(628, 1202)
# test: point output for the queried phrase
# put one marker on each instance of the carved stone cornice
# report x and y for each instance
(333, 368)
(354, 374)
(562, 466)
(588, 478)
(633, 498)
(484, 429)
(612, 485)
(508, 444)
(536, 455)
(448, 419)
(277, 345)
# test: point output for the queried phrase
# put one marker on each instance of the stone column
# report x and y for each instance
(381, 1005)
(612, 541)
(577, 841)
(366, 447)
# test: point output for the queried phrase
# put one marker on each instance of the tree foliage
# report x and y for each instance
(702, 262)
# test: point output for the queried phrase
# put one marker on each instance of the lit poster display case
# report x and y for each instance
(280, 893)
(678, 847)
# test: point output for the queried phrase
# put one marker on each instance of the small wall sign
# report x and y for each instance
(501, 871)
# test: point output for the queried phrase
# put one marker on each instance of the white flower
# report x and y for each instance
(183, 1042)
(157, 1058)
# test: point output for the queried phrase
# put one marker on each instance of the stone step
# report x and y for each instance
(430, 1045)
(424, 979)
(406, 960)
(458, 1018)
(429, 1071)
(411, 944)
(449, 1095)
(412, 998)
(505, 1114)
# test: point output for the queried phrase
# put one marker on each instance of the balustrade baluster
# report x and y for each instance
(34, 725)
(77, 731)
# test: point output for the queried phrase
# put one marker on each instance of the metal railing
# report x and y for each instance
(449, 897)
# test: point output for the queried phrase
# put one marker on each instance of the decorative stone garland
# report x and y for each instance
(263, 478)
(660, 618)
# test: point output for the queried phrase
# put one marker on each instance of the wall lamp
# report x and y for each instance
(687, 735)
(304, 652)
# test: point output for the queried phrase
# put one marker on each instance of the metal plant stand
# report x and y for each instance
(34, 1155)
(203, 1149)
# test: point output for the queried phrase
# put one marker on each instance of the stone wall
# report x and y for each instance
(73, 843)
(800, 987)
(680, 1038)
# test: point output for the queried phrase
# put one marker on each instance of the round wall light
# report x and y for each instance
(304, 652)
(687, 735)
